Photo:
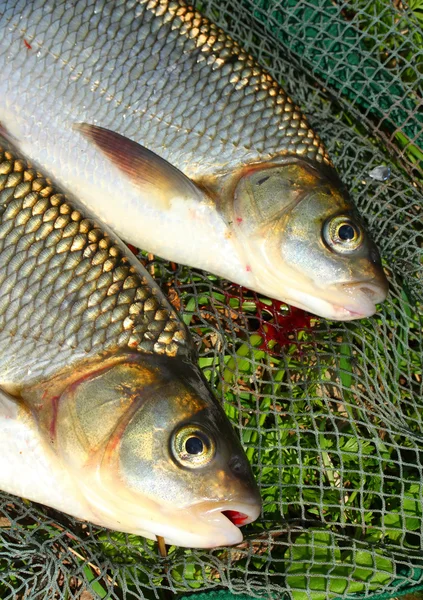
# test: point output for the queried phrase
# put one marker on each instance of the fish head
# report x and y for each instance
(306, 241)
(154, 454)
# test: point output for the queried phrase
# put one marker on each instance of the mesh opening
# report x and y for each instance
(330, 414)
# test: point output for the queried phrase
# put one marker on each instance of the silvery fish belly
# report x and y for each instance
(185, 146)
(102, 412)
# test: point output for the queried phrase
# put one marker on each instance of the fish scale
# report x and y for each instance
(99, 393)
(65, 283)
(157, 121)
(201, 71)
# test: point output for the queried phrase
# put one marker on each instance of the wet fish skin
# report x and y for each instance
(298, 244)
(167, 78)
(162, 77)
(97, 381)
(112, 425)
(65, 280)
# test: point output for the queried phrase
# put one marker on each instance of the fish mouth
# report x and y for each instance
(204, 525)
(201, 526)
(367, 294)
(225, 522)
(237, 518)
(350, 301)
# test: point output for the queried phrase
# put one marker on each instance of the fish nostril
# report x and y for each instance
(238, 467)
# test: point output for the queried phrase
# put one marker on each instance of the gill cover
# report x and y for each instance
(264, 195)
(303, 239)
(152, 451)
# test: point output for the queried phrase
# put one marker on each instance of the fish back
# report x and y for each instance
(68, 289)
(156, 71)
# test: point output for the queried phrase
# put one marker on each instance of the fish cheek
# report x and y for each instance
(263, 195)
(93, 410)
(145, 462)
(302, 246)
(264, 203)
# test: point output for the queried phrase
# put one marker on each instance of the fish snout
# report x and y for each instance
(220, 525)
(376, 290)
(243, 514)
(245, 492)
(365, 295)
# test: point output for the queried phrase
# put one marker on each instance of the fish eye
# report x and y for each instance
(192, 446)
(342, 234)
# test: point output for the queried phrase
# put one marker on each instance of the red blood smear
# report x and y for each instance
(283, 323)
(235, 517)
(27, 45)
(133, 249)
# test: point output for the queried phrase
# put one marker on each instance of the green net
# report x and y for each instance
(330, 414)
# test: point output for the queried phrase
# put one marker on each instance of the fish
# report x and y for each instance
(104, 413)
(174, 136)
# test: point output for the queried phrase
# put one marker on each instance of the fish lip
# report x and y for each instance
(364, 308)
(208, 526)
(252, 511)
(201, 525)
(215, 517)
(349, 313)
(376, 288)
(371, 292)
(350, 309)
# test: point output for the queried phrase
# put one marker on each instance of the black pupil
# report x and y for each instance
(194, 445)
(346, 232)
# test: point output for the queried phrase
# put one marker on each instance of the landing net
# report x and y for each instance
(330, 414)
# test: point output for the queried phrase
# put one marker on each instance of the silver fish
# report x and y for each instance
(185, 146)
(102, 412)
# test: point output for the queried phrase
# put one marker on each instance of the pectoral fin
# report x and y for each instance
(28, 465)
(154, 176)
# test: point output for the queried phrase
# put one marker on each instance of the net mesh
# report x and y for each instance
(330, 414)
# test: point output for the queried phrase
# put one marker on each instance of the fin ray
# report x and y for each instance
(153, 175)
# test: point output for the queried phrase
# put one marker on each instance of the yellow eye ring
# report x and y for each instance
(342, 234)
(192, 446)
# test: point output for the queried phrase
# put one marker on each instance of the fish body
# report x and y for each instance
(103, 413)
(177, 139)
